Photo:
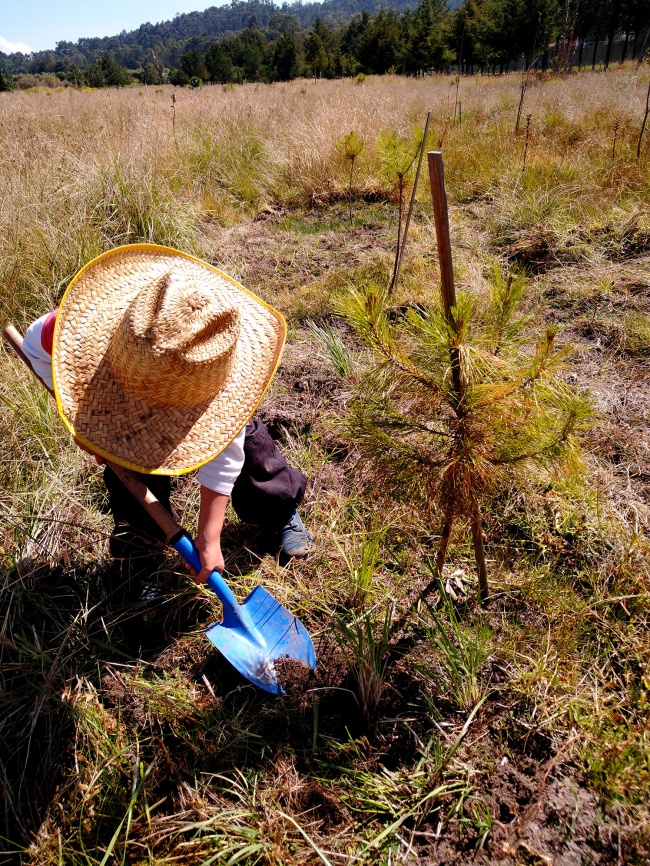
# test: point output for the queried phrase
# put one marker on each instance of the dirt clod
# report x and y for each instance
(295, 678)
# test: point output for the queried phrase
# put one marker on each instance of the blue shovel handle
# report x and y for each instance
(189, 551)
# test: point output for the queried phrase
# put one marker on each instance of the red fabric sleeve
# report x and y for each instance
(47, 333)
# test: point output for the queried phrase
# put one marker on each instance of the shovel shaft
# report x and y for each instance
(148, 501)
(12, 338)
(188, 550)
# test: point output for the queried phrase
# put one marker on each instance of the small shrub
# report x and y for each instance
(396, 158)
(25, 82)
(350, 146)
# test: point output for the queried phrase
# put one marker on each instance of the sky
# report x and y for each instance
(35, 25)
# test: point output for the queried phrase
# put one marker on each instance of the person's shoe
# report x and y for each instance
(296, 541)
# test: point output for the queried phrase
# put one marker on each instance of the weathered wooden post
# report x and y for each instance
(448, 289)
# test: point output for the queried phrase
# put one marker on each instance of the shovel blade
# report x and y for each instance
(265, 631)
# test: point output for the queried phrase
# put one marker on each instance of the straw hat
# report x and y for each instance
(159, 359)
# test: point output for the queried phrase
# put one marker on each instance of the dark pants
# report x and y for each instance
(266, 493)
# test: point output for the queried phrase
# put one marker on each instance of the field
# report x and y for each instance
(439, 732)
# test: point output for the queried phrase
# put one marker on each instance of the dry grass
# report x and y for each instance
(169, 758)
(83, 171)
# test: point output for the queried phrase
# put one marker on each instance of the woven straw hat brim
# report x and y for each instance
(120, 426)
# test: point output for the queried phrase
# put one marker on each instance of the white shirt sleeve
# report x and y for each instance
(40, 360)
(221, 473)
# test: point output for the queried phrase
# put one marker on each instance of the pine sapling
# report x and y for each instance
(396, 158)
(350, 146)
(450, 408)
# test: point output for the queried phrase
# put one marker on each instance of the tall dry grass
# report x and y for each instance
(83, 171)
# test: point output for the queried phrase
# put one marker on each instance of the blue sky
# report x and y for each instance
(40, 24)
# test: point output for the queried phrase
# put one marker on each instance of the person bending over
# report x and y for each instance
(158, 361)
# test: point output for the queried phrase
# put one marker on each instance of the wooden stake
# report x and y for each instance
(441, 216)
(398, 266)
(645, 118)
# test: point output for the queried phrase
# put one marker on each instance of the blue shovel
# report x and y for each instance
(253, 635)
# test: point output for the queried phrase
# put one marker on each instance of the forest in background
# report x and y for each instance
(259, 41)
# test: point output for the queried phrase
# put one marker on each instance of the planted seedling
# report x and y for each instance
(350, 146)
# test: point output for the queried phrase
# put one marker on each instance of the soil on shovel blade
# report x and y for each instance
(294, 677)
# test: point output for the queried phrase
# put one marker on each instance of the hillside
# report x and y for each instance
(167, 40)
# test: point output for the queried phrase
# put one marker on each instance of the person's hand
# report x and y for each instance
(208, 536)
(99, 460)
(211, 557)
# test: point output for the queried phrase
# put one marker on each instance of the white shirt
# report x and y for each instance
(218, 475)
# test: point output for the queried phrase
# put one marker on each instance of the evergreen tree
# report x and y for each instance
(178, 77)
(193, 64)
(318, 48)
(6, 81)
(610, 20)
(249, 54)
(152, 73)
(352, 35)
(114, 74)
(93, 76)
(498, 31)
(425, 36)
(379, 46)
(635, 18)
(219, 64)
(286, 57)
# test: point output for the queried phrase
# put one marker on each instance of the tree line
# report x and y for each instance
(167, 40)
(481, 35)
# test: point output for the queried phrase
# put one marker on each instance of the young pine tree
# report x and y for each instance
(397, 156)
(449, 408)
(350, 146)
